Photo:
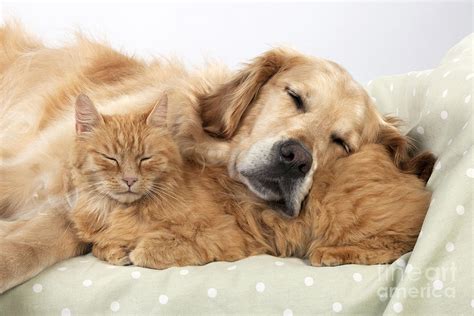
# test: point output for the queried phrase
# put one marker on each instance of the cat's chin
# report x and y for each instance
(127, 197)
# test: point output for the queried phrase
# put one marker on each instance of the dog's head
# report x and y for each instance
(286, 115)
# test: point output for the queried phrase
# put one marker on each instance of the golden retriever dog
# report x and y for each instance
(286, 115)
(282, 126)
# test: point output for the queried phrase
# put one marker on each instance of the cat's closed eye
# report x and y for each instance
(144, 159)
(112, 159)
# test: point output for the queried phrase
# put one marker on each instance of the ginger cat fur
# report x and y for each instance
(138, 203)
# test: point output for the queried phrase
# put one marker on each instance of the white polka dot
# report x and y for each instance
(136, 274)
(337, 307)
(37, 288)
(308, 281)
(467, 99)
(260, 287)
(400, 262)
(185, 271)
(279, 263)
(87, 283)
(470, 172)
(163, 299)
(470, 76)
(420, 130)
(397, 307)
(446, 74)
(450, 247)
(383, 296)
(437, 165)
(460, 209)
(211, 292)
(409, 268)
(444, 115)
(115, 306)
(287, 312)
(357, 277)
(438, 284)
(62, 269)
(391, 87)
(450, 141)
(445, 93)
(414, 91)
(65, 312)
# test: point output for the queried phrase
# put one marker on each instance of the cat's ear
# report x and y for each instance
(157, 116)
(87, 116)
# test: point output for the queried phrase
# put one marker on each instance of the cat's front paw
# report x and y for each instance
(142, 257)
(326, 256)
(113, 254)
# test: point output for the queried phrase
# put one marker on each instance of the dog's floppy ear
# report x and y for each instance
(223, 108)
(402, 149)
(421, 165)
(399, 146)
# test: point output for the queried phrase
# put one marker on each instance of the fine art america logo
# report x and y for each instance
(421, 283)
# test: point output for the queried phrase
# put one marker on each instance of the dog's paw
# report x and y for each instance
(113, 254)
(5, 274)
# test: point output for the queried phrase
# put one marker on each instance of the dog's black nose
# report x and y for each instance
(295, 159)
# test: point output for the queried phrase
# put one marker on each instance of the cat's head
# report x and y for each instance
(124, 157)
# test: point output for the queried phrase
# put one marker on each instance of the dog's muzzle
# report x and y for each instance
(281, 174)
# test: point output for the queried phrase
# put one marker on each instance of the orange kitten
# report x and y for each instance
(135, 203)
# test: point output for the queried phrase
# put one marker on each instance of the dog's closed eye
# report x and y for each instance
(340, 141)
(296, 99)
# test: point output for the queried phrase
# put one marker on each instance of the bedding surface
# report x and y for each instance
(435, 279)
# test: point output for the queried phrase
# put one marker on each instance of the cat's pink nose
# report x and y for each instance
(130, 181)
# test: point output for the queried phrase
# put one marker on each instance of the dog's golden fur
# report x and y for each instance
(347, 216)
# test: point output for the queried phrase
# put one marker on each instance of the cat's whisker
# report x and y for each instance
(166, 191)
(159, 192)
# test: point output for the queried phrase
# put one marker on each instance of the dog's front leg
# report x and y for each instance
(30, 246)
